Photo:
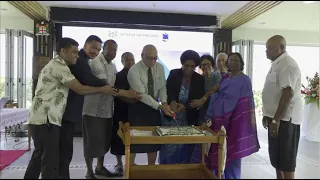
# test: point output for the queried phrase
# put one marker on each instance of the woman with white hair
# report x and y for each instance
(221, 64)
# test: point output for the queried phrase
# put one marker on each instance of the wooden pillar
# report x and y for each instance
(222, 41)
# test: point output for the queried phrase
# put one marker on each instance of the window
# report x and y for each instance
(19, 64)
(307, 58)
(28, 69)
(2, 64)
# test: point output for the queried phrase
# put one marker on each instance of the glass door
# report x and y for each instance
(11, 61)
(25, 54)
(3, 63)
(245, 48)
(16, 66)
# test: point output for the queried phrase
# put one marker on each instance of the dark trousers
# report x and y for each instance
(66, 149)
(45, 157)
(283, 149)
(77, 132)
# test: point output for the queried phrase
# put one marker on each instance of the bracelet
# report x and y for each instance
(204, 98)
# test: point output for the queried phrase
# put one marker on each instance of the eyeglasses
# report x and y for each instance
(152, 58)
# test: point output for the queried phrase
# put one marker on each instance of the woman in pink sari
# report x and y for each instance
(233, 108)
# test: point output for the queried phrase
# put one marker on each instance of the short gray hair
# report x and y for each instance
(221, 54)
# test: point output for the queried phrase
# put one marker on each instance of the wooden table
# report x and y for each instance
(174, 171)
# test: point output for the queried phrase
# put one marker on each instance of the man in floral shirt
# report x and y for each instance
(48, 106)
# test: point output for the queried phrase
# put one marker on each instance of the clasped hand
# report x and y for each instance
(165, 108)
(132, 94)
(177, 107)
(107, 89)
(197, 103)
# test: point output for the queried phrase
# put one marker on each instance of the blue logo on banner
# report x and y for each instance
(165, 37)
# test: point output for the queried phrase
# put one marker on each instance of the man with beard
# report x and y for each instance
(98, 112)
(72, 116)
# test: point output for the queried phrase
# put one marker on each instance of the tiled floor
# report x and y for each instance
(255, 166)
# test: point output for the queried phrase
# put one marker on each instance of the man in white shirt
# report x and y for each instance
(48, 106)
(98, 112)
(282, 108)
(148, 78)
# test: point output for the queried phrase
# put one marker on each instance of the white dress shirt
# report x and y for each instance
(138, 80)
(284, 73)
(101, 105)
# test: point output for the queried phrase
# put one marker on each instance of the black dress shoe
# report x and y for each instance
(119, 170)
(105, 172)
(91, 176)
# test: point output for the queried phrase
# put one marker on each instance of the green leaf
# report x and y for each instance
(40, 92)
(46, 80)
(46, 110)
(37, 103)
(58, 98)
(309, 100)
(61, 86)
(52, 118)
(54, 87)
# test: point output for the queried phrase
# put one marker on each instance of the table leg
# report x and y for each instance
(127, 165)
(5, 133)
(203, 153)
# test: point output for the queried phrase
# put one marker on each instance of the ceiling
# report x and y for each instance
(289, 15)
(221, 8)
(8, 10)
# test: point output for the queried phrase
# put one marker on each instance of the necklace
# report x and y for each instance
(234, 76)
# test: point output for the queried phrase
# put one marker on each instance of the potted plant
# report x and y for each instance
(311, 92)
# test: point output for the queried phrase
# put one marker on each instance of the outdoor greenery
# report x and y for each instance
(258, 99)
(28, 89)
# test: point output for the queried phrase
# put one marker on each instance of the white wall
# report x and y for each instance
(262, 35)
(16, 23)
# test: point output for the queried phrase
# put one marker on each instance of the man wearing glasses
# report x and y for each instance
(148, 78)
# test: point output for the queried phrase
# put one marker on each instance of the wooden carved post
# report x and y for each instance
(43, 48)
(222, 41)
(43, 41)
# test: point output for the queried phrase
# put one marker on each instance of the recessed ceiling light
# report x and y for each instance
(308, 2)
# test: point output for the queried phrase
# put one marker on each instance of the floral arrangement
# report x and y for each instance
(312, 91)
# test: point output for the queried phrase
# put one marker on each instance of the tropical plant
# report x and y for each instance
(311, 91)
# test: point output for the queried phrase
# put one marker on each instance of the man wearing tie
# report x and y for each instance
(148, 78)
